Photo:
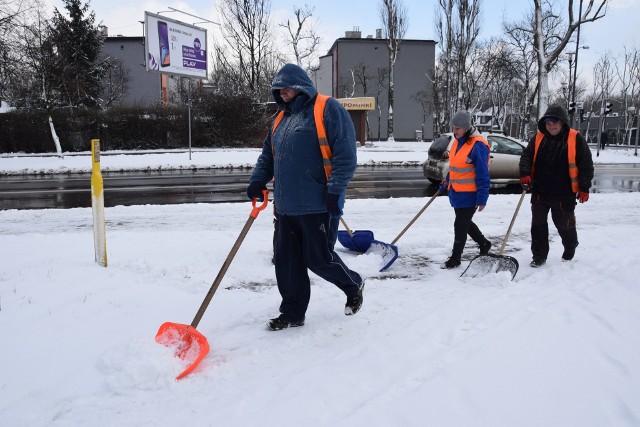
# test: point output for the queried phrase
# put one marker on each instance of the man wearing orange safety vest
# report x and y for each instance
(310, 153)
(468, 184)
(557, 166)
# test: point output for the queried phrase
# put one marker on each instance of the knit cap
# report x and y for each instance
(462, 119)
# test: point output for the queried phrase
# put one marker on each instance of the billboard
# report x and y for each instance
(173, 47)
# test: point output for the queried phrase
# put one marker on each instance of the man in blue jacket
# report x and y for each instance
(468, 183)
(306, 201)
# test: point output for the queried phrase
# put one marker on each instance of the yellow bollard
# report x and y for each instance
(97, 205)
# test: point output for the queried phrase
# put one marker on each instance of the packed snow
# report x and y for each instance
(557, 346)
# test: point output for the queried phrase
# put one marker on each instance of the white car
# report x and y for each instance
(504, 168)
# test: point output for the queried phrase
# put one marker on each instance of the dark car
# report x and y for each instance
(504, 166)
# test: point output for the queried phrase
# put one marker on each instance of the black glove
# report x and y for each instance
(255, 189)
(332, 204)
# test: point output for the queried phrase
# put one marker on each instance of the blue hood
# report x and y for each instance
(293, 77)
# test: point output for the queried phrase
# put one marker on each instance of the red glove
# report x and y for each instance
(525, 180)
(582, 196)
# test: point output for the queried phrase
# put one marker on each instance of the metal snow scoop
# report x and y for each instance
(483, 265)
(358, 241)
(189, 344)
(389, 252)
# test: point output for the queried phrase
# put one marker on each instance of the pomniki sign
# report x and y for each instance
(364, 103)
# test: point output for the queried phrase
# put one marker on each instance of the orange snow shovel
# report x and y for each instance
(189, 344)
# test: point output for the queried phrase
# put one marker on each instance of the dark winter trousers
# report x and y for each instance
(303, 245)
(462, 226)
(332, 235)
(563, 216)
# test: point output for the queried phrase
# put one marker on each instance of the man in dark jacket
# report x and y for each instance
(557, 166)
(306, 201)
(604, 140)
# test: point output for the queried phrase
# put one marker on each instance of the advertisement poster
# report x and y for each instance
(173, 47)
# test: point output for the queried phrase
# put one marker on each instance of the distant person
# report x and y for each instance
(604, 139)
(468, 183)
(311, 177)
(557, 166)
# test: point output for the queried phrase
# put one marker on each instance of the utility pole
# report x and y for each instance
(573, 91)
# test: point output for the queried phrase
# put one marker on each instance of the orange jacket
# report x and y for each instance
(462, 175)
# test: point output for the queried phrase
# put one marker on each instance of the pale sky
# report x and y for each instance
(619, 28)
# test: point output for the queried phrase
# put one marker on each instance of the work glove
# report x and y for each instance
(525, 181)
(333, 206)
(443, 186)
(582, 196)
(255, 191)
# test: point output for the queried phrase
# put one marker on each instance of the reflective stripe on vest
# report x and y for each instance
(318, 115)
(571, 154)
(462, 175)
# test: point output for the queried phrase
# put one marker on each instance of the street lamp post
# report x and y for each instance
(570, 96)
(573, 118)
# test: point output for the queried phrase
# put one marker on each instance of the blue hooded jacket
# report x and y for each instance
(291, 155)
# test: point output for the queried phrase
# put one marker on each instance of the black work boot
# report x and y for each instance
(452, 262)
(485, 247)
(569, 253)
(280, 323)
(537, 262)
(354, 303)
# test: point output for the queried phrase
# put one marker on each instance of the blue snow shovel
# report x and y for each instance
(389, 252)
(362, 241)
(357, 241)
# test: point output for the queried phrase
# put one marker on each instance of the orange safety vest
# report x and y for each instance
(462, 175)
(318, 115)
(571, 146)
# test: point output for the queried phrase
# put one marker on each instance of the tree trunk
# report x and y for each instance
(54, 135)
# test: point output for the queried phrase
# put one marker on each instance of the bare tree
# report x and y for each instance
(303, 36)
(551, 36)
(347, 84)
(520, 37)
(247, 44)
(629, 78)
(382, 75)
(116, 83)
(15, 15)
(424, 97)
(394, 25)
(465, 34)
(497, 75)
(444, 29)
(362, 79)
(457, 27)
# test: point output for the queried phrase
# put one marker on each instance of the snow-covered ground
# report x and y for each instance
(558, 346)
(373, 153)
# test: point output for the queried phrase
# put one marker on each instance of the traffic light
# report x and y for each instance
(582, 119)
(572, 108)
(607, 108)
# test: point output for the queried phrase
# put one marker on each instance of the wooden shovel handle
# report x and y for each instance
(346, 227)
(513, 220)
(416, 217)
(227, 262)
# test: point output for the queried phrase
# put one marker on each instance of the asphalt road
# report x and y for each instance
(224, 185)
